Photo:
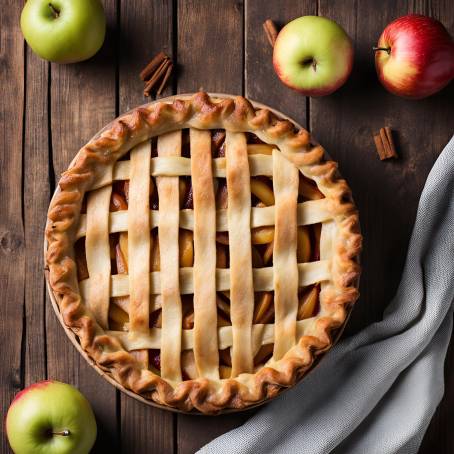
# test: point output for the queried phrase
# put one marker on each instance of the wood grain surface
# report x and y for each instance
(12, 238)
(49, 111)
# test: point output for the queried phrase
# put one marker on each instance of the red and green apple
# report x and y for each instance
(313, 55)
(64, 31)
(50, 417)
(414, 57)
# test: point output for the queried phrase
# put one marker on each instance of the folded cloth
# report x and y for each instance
(375, 392)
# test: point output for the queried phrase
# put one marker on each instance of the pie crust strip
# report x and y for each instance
(310, 212)
(168, 231)
(139, 239)
(205, 312)
(308, 273)
(98, 254)
(261, 335)
(285, 184)
(241, 279)
(327, 239)
(172, 166)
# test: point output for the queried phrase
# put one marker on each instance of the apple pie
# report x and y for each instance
(204, 252)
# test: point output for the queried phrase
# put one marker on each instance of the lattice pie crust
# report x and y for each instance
(260, 308)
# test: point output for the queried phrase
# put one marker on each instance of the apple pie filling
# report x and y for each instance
(262, 240)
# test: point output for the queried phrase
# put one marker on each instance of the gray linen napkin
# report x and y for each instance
(375, 392)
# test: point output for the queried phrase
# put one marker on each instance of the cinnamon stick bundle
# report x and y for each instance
(385, 144)
(158, 70)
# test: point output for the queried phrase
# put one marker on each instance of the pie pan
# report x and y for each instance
(105, 371)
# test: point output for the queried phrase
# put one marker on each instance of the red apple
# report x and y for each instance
(415, 57)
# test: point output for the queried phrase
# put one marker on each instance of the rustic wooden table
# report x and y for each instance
(48, 111)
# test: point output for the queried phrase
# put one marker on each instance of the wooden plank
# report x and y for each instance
(82, 102)
(193, 432)
(210, 46)
(146, 28)
(210, 53)
(386, 193)
(36, 202)
(261, 81)
(12, 243)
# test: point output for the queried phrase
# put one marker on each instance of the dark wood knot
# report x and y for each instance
(11, 241)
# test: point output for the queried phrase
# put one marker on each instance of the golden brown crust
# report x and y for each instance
(96, 159)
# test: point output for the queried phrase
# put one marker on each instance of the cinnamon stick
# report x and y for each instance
(165, 78)
(390, 140)
(156, 77)
(385, 144)
(156, 61)
(271, 31)
(379, 146)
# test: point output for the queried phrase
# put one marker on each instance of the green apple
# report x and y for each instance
(313, 55)
(64, 31)
(50, 417)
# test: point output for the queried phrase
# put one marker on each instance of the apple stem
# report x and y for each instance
(54, 10)
(314, 64)
(64, 433)
(386, 49)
